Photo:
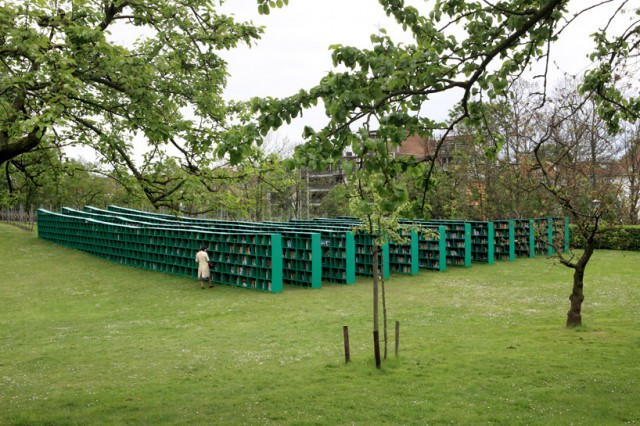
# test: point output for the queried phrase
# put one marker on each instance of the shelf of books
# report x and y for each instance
(246, 260)
(482, 242)
(418, 252)
(132, 215)
(524, 237)
(543, 232)
(550, 232)
(363, 245)
(403, 257)
(458, 241)
(561, 236)
(299, 250)
(338, 257)
(364, 256)
(333, 255)
(264, 255)
(432, 251)
(504, 245)
(338, 249)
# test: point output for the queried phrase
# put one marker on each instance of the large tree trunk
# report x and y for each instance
(574, 317)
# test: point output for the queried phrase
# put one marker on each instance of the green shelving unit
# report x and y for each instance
(403, 258)
(561, 237)
(248, 261)
(543, 231)
(364, 256)
(482, 242)
(432, 253)
(458, 240)
(363, 244)
(302, 264)
(504, 244)
(338, 257)
(550, 232)
(524, 238)
(265, 255)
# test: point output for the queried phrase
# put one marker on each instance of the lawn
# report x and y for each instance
(86, 341)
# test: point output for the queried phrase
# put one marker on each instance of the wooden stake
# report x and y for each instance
(347, 353)
(397, 336)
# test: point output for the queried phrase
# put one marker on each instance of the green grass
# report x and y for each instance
(86, 341)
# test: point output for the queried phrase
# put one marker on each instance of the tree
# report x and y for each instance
(333, 204)
(382, 224)
(70, 183)
(574, 160)
(67, 80)
(555, 181)
(565, 157)
(269, 187)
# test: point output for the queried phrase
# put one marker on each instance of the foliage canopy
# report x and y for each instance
(473, 49)
(67, 80)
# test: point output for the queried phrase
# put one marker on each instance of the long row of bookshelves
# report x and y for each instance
(309, 257)
(305, 252)
(332, 255)
(249, 260)
(509, 239)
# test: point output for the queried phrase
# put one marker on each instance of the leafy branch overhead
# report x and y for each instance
(72, 74)
(471, 49)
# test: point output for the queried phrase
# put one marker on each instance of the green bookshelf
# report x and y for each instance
(482, 242)
(524, 237)
(543, 231)
(504, 245)
(561, 236)
(248, 261)
(338, 257)
(363, 244)
(458, 241)
(432, 252)
(403, 257)
(364, 256)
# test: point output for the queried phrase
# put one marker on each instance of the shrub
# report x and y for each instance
(611, 238)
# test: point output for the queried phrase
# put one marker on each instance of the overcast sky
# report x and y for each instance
(293, 52)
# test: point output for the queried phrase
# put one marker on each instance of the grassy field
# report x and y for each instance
(86, 341)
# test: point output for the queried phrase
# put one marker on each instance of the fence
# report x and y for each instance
(20, 217)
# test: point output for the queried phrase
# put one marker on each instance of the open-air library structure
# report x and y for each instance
(267, 255)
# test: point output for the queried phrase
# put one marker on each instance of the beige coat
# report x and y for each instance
(203, 264)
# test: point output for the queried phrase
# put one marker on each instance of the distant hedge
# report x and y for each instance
(614, 238)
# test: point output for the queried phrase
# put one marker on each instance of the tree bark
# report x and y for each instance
(574, 316)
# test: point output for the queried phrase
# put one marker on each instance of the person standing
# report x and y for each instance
(204, 272)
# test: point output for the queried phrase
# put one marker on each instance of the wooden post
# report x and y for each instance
(347, 353)
(397, 336)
